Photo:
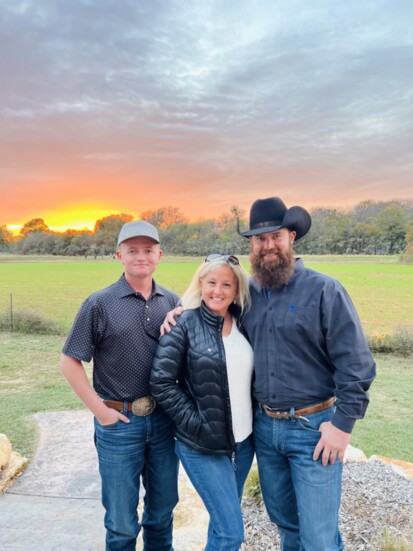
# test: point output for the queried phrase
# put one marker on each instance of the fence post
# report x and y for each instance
(11, 310)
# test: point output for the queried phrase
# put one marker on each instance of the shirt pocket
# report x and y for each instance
(302, 323)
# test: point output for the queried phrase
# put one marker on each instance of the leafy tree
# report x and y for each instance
(6, 238)
(164, 217)
(107, 230)
(112, 222)
(391, 225)
(37, 242)
(229, 241)
(36, 224)
(409, 238)
(364, 238)
(175, 238)
(63, 241)
(329, 234)
(371, 227)
(73, 243)
(407, 256)
(80, 244)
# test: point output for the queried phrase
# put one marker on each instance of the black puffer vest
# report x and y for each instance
(189, 381)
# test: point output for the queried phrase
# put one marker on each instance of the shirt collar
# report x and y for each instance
(124, 289)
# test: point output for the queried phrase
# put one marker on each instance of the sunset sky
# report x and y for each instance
(110, 106)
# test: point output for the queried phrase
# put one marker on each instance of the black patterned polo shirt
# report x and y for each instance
(119, 330)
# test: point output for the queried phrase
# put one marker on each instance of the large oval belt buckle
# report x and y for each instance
(143, 406)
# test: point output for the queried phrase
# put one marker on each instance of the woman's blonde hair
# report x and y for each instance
(192, 296)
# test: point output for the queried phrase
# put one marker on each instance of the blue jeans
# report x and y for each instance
(301, 496)
(220, 484)
(144, 447)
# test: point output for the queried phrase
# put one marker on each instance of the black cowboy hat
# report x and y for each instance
(271, 214)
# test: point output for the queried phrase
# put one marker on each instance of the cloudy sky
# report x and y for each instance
(111, 106)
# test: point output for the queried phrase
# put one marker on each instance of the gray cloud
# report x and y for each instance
(281, 91)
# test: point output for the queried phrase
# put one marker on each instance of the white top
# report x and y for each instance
(240, 366)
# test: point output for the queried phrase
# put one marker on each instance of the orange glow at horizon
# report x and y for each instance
(82, 218)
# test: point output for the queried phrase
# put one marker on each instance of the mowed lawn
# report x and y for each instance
(30, 381)
(381, 291)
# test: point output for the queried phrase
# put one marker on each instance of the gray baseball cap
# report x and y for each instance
(138, 228)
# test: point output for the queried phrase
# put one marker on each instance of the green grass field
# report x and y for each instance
(382, 291)
(30, 380)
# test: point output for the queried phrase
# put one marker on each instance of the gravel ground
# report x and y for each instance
(375, 498)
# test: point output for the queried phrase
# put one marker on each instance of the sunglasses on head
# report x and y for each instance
(230, 258)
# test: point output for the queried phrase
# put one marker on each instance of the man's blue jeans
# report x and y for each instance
(144, 447)
(220, 484)
(301, 496)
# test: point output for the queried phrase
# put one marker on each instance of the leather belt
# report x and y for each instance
(286, 414)
(141, 406)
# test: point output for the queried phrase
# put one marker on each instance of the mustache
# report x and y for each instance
(268, 251)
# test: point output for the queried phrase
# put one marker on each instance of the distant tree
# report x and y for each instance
(107, 230)
(365, 210)
(407, 256)
(229, 241)
(37, 242)
(63, 241)
(391, 226)
(175, 238)
(364, 238)
(6, 238)
(111, 222)
(73, 242)
(205, 236)
(409, 238)
(80, 244)
(370, 227)
(164, 217)
(329, 234)
(36, 224)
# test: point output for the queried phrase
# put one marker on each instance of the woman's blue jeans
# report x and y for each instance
(144, 447)
(301, 496)
(220, 483)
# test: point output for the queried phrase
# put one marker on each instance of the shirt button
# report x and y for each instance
(272, 375)
(270, 330)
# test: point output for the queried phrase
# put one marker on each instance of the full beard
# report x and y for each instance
(275, 272)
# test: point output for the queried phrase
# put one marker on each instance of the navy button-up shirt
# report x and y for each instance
(119, 329)
(309, 345)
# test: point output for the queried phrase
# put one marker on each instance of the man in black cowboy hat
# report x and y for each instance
(313, 369)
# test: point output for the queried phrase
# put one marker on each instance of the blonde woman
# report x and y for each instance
(201, 377)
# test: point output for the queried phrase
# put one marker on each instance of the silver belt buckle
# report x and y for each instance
(143, 406)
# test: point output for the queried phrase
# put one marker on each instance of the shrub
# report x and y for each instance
(406, 258)
(400, 342)
(394, 543)
(29, 321)
(253, 487)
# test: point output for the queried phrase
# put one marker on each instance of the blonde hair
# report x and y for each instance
(192, 296)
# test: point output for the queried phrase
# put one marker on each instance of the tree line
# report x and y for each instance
(371, 227)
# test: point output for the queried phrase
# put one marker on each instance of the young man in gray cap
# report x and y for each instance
(313, 369)
(118, 327)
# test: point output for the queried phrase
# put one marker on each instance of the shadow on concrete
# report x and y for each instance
(55, 504)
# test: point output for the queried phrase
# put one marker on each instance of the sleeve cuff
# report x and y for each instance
(346, 424)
